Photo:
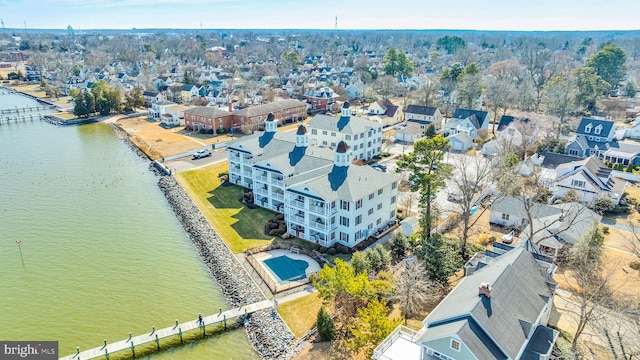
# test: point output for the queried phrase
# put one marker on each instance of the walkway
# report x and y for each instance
(177, 329)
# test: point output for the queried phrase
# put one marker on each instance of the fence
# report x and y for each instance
(274, 286)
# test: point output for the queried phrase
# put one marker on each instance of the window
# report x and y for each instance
(394, 185)
(577, 183)
(344, 221)
(347, 137)
(455, 345)
(344, 236)
(371, 196)
(379, 206)
(324, 132)
(573, 152)
(324, 143)
(379, 221)
(333, 220)
(392, 214)
(598, 129)
(333, 144)
(344, 205)
(393, 199)
(358, 204)
(333, 134)
(587, 128)
(333, 204)
(369, 144)
(505, 216)
(380, 191)
(314, 132)
(371, 211)
(358, 219)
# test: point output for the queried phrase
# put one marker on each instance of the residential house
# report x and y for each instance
(474, 123)
(409, 132)
(324, 198)
(157, 109)
(385, 113)
(173, 116)
(589, 178)
(321, 98)
(424, 115)
(151, 97)
(512, 134)
(174, 93)
(284, 111)
(498, 311)
(363, 136)
(354, 91)
(461, 141)
(189, 92)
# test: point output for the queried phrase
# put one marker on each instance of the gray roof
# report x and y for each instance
(476, 117)
(422, 110)
(349, 183)
(461, 136)
(519, 293)
(541, 343)
(271, 107)
(552, 160)
(579, 220)
(297, 160)
(471, 334)
(345, 125)
(596, 172)
(207, 111)
(607, 125)
(515, 207)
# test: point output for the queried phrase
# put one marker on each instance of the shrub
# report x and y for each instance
(279, 217)
(332, 251)
(276, 232)
(635, 265)
(324, 323)
(342, 249)
(223, 174)
(315, 246)
(605, 230)
(483, 239)
(322, 249)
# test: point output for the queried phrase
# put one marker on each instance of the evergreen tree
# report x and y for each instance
(325, 326)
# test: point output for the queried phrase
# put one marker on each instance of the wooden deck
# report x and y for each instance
(176, 330)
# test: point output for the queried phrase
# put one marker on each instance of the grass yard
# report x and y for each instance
(240, 228)
(301, 314)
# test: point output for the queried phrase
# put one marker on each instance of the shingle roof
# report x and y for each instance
(607, 125)
(422, 110)
(519, 291)
(271, 107)
(207, 111)
(476, 117)
(553, 160)
(505, 120)
(351, 125)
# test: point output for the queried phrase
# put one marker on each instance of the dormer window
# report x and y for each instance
(587, 128)
(598, 129)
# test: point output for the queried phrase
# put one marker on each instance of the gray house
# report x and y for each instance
(500, 311)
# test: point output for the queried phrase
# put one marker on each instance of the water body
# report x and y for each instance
(103, 252)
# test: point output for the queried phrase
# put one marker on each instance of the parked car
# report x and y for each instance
(454, 197)
(379, 167)
(202, 153)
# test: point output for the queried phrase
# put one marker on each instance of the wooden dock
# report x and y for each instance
(172, 331)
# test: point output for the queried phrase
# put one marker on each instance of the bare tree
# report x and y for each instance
(501, 87)
(541, 66)
(414, 290)
(471, 177)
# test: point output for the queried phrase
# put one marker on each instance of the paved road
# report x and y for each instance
(184, 162)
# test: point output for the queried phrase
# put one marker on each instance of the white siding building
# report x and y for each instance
(364, 137)
(325, 198)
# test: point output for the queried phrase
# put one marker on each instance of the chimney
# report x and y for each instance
(230, 107)
(484, 289)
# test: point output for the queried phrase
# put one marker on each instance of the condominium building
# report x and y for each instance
(324, 197)
(364, 137)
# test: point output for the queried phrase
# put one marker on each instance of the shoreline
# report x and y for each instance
(268, 334)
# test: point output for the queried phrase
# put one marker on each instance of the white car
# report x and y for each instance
(201, 154)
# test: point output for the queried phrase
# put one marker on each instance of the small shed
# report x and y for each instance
(409, 225)
(461, 142)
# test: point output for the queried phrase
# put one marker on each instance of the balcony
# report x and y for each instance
(247, 173)
(278, 196)
(261, 191)
(261, 177)
(297, 218)
(400, 344)
(296, 203)
(322, 210)
(318, 226)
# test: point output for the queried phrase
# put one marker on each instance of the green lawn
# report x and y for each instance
(241, 228)
(301, 314)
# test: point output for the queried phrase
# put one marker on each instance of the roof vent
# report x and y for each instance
(485, 289)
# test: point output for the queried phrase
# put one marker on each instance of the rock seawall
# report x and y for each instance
(267, 332)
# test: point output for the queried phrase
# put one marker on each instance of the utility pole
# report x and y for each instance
(336, 22)
(20, 247)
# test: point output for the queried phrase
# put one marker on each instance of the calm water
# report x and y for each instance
(103, 252)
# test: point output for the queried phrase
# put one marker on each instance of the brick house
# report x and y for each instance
(208, 118)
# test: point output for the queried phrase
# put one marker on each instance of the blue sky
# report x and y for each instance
(320, 14)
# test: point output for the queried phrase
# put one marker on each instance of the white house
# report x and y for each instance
(158, 108)
(364, 137)
(589, 178)
(385, 113)
(325, 198)
(472, 122)
(424, 115)
(173, 115)
(460, 141)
